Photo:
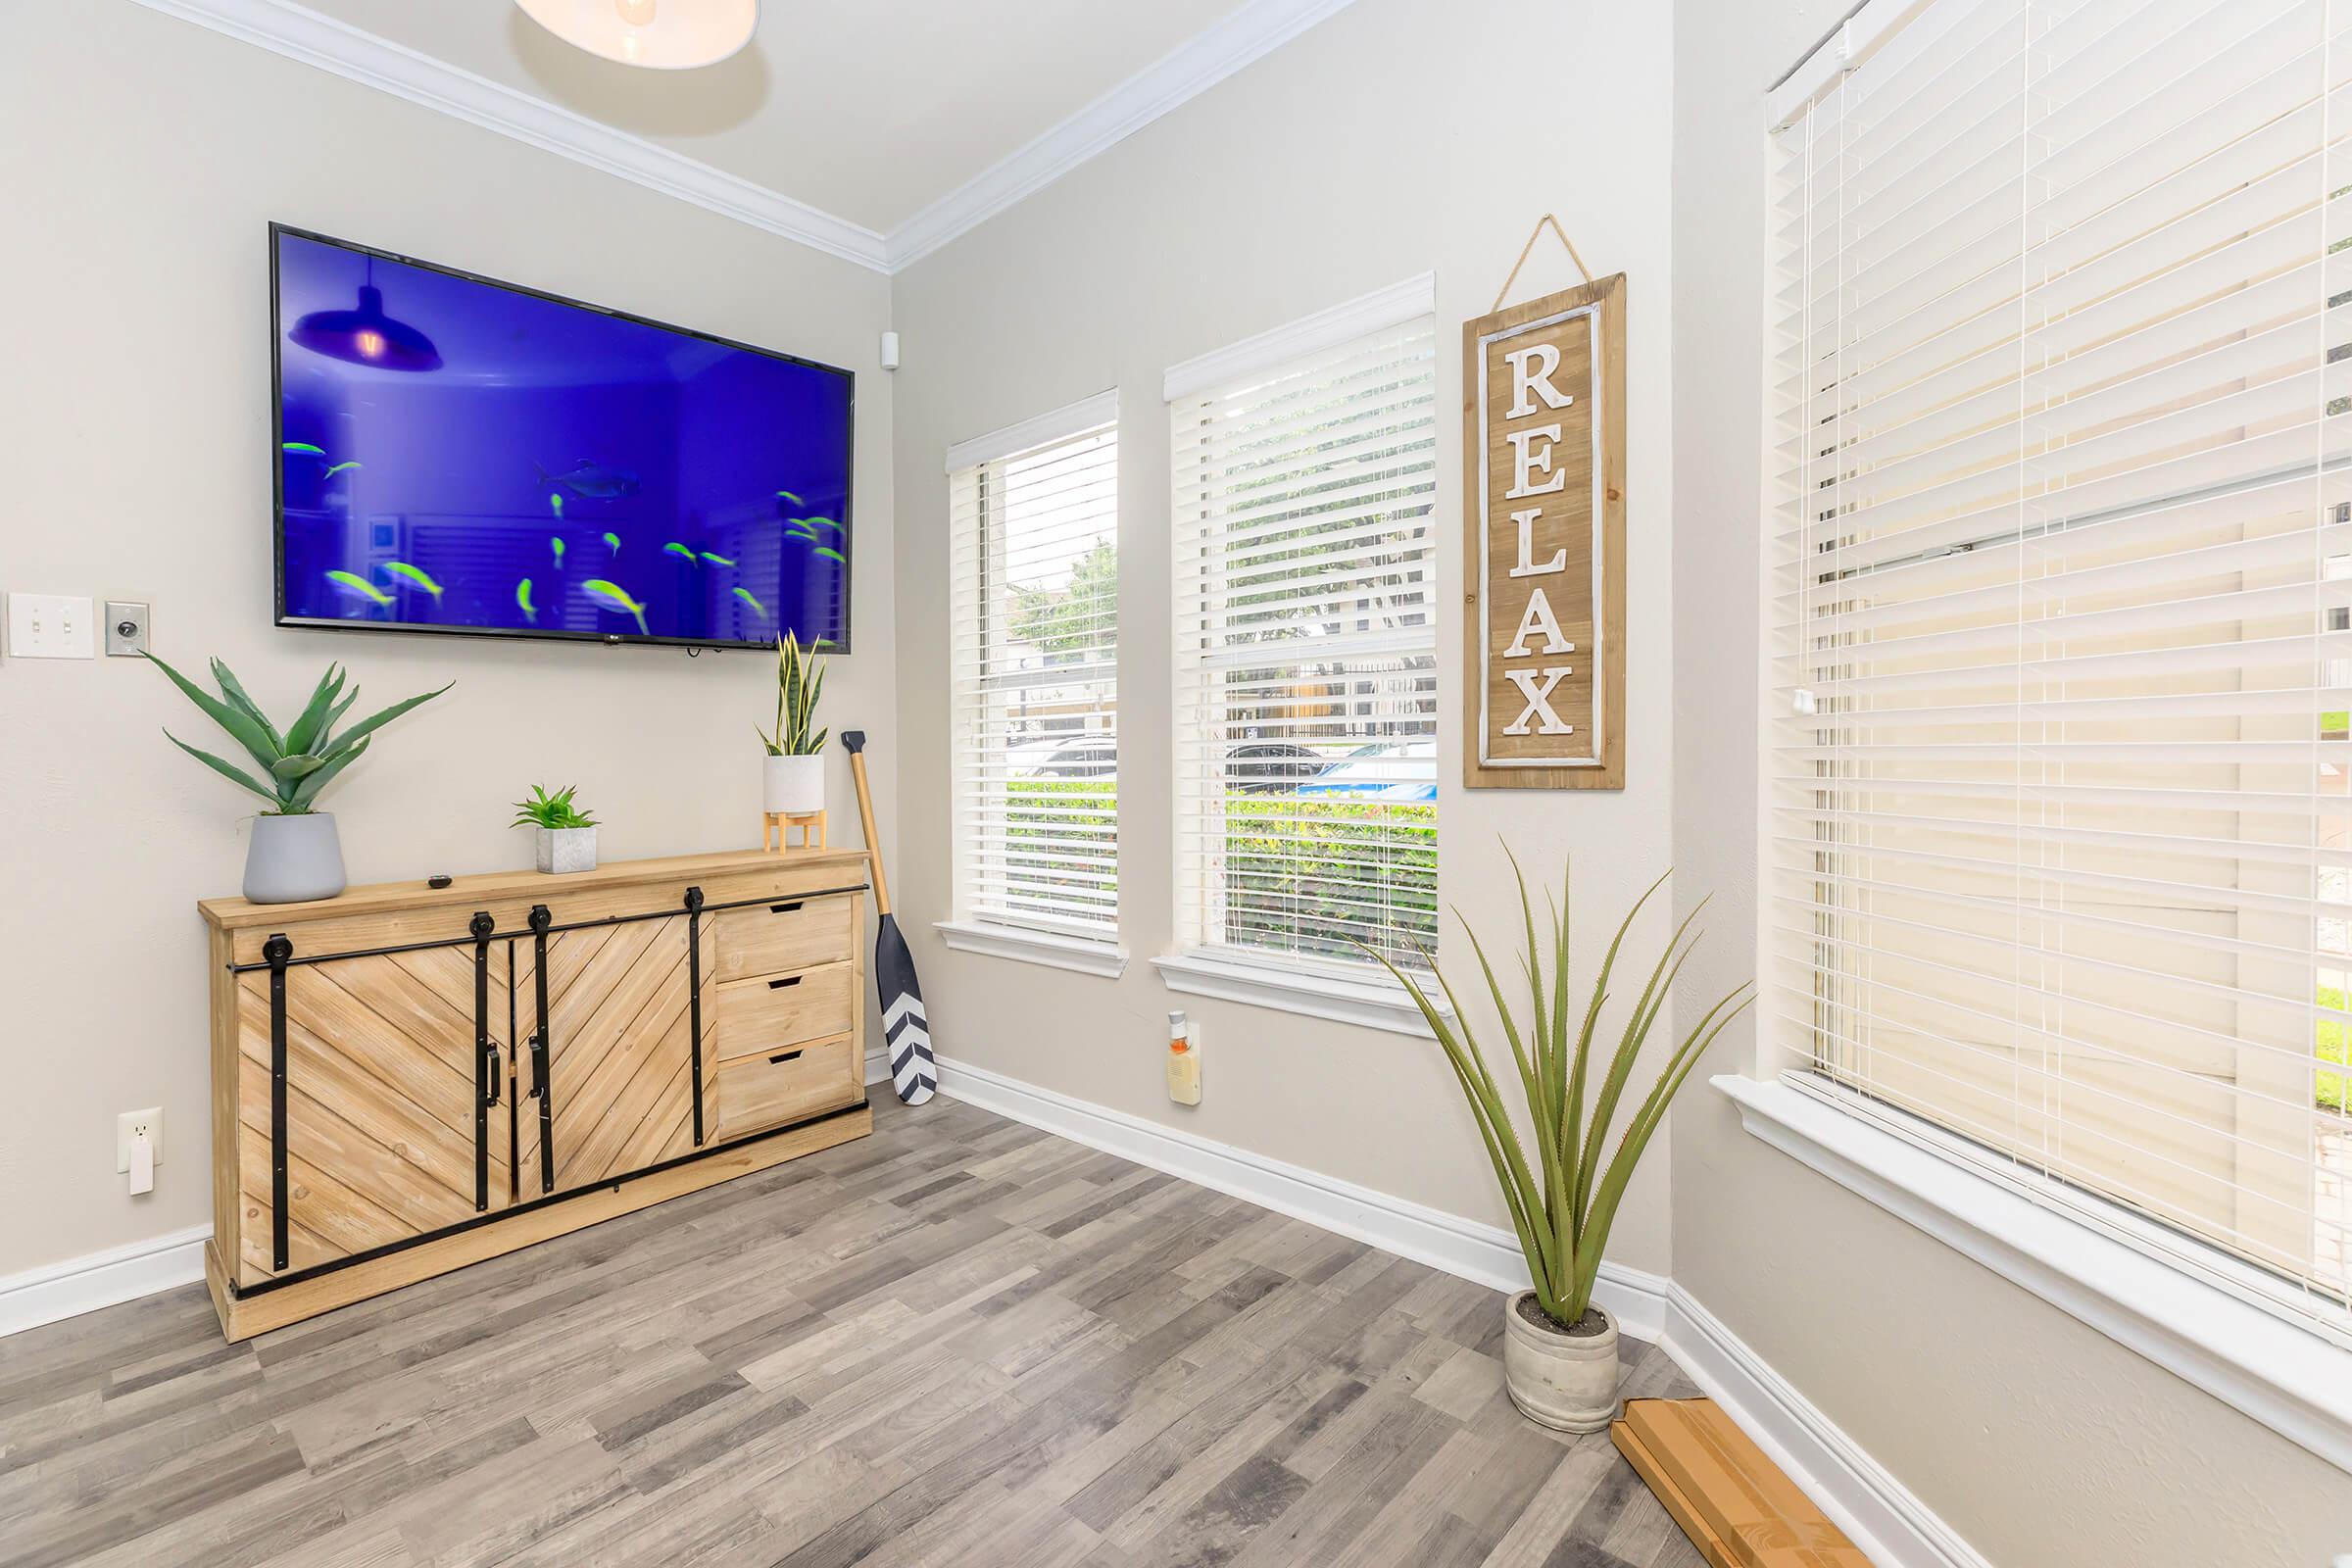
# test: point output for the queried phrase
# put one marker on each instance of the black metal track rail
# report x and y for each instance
(772, 901)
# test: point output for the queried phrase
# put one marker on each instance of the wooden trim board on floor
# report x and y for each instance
(244, 1316)
(1734, 1503)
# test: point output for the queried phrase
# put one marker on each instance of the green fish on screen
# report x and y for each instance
(401, 569)
(615, 597)
(745, 594)
(522, 601)
(353, 582)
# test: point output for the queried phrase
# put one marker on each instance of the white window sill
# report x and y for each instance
(1034, 946)
(2279, 1372)
(1376, 1003)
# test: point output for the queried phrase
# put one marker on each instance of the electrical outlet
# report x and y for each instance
(49, 626)
(129, 1126)
(125, 625)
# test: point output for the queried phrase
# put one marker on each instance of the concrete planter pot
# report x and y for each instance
(293, 858)
(1567, 1381)
(567, 849)
(795, 784)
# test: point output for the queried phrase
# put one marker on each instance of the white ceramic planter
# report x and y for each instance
(291, 859)
(794, 784)
(567, 849)
(1567, 1381)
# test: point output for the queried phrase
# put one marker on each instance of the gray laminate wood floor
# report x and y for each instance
(958, 1341)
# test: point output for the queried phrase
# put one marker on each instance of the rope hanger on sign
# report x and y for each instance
(1533, 235)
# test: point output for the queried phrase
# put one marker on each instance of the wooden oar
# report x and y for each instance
(906, 1030)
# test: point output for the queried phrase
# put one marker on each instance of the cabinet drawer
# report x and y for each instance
(758, 1016)
(785, 1085)
(788, 934)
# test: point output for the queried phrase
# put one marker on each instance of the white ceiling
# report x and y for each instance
(869, 109)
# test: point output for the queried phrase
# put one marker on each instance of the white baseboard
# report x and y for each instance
(1879, 1514)
(1469, 1249)
(878, 1067)
(79, 1284)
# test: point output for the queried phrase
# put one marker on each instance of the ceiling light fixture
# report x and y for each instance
(660, 34)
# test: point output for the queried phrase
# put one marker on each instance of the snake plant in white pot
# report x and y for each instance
(793, 777)
(1559, 1350)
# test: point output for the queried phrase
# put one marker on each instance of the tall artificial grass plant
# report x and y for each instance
(1564, 1198)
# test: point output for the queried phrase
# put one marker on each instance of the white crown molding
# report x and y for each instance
(299, 33)
(78, 1284)
(1247, 34)
(1861, 1497)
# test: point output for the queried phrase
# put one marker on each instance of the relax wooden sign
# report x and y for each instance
(1543, 485)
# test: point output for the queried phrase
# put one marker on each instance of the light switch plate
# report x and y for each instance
(49, 626)
(125, 625)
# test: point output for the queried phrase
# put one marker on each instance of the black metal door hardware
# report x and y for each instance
(540, 920)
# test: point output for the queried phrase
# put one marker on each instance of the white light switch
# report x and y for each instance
(49, 626)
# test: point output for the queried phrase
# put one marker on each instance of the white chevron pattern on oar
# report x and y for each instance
(906, 1031)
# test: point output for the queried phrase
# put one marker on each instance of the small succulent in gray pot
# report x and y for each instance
(295, 853)
(566, 834)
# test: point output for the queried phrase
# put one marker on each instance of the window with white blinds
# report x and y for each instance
(1035, 526)
(1306, 704)
(2060, 575)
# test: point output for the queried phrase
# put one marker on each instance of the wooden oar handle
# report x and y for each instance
(873, 846)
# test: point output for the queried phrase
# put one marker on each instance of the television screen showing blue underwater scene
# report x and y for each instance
(460, 455)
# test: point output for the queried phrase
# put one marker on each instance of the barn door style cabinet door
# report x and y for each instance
(407, 1080)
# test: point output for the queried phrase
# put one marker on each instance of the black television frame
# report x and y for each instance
(839, 646)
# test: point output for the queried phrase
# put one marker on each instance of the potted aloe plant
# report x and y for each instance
(1559, 1350)
(566, 835)
(295, 853)
(793, 777)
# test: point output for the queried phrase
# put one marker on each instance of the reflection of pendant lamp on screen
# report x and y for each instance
(664, 34)
(367, 336)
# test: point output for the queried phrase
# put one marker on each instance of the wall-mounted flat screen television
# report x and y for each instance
(460, 455)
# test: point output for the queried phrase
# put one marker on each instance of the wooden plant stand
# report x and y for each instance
(774, 826)
(1734, 1503)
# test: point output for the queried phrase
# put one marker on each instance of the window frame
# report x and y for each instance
(2220, 1322)
(1353, 991)
(968, 928)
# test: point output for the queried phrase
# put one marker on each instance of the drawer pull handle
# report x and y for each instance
(783, 1057)
(784, 908)
(788, 980)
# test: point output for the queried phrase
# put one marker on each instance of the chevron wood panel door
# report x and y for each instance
(619, 1052)
(381, 1083)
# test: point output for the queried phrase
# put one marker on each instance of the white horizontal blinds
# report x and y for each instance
(1035, 686)
(2060, 571)
(1306, 655)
